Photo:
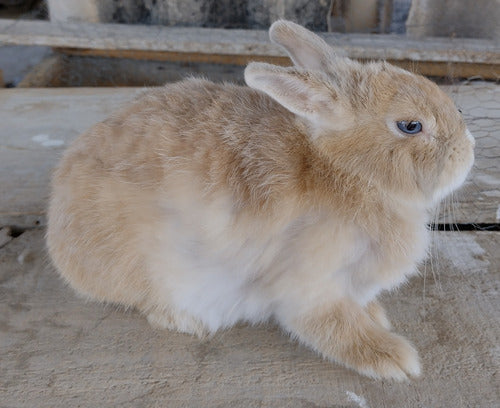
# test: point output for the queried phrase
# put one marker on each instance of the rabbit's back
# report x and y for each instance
(181, 161)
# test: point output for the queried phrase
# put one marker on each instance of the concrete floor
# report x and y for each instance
(58, 350)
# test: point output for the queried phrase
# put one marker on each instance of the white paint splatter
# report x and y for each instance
(357, 399)
(40, 138)
(46, 141)
(465, 255)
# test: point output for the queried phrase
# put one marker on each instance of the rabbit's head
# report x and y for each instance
(392, 128)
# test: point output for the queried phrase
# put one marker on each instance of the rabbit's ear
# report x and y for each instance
(305, 49)
(302, 93)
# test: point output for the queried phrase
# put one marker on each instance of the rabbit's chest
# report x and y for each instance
(386, 264)
(221, 274)
(215, 285)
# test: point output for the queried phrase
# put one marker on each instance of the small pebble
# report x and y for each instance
(26, 256)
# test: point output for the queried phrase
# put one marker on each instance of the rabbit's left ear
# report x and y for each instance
(305, 49)
(302, 93)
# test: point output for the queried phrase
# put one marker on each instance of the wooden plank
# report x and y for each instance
(428, 68)
(60, 351)
(78, 67)
(44, 74)
(152, 69)
(63, 70)
(135, 39)
(37, 124)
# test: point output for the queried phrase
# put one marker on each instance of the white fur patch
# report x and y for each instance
(469, 136)
(207, 269)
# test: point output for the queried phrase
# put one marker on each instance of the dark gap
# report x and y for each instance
(465, 227)
(16, 231)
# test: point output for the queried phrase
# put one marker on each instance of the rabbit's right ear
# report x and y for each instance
(305, 94)
(305, 49)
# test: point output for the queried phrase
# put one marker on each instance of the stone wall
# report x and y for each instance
(450, 18)
(454, 18)
(201, 13)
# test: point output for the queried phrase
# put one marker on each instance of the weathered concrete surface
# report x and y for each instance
(58, 350)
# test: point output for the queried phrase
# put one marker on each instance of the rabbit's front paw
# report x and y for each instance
(377, 313)
(383, 355)
(354, 336)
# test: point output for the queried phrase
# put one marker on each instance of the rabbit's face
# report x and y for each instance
(409, 133)
(381, 123)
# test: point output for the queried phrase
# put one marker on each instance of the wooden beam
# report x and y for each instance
(428, 68)
(44, 74)
(239, 46)
(175, 56)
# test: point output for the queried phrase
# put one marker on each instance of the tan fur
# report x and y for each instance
(377, 314)
(204, 204)
(359, 343)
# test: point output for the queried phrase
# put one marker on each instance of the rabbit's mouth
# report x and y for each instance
(456, 169)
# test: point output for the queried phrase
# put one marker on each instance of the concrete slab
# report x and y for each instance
(58, 350)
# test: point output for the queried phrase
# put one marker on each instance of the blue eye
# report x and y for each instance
(410, 127)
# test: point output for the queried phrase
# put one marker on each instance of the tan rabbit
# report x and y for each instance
(298, 198)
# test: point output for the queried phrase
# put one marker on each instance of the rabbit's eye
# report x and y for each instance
(409, 127)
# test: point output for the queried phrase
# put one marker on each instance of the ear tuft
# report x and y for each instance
(279, 30)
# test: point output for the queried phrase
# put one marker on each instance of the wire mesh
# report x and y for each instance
(478, 202)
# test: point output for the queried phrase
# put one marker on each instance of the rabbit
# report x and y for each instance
(297, 198)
